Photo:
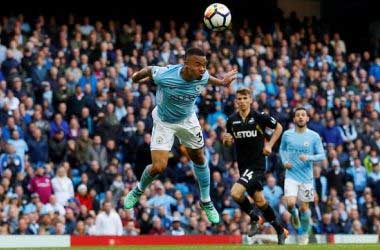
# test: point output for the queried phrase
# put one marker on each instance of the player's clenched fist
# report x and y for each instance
(228, 139)
(267, 150)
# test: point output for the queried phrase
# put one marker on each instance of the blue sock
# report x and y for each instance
(305, 221)
(203, 175)
(295, 214)
(294, 211)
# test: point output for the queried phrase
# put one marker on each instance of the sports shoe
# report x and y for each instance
(212, 214)
(282, 236)
(303, 239)
(132, 198)
(255, 224)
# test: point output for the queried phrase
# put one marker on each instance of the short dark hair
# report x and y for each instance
(298, 109)
(193, 51)
(244, 91)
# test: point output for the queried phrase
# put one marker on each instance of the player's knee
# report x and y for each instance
(260, 202)
(198, 158)
(290, 203)
(237, 195)
(304, 206)
(158, 167)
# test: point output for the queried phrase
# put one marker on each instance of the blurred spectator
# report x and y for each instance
(84, 197)
(19, 144)
(157, 228)
(336, 176)
(359, 176)
(272, 192)
(22, 227)
(54, 206)
(320, 183)
(326, 227)
(161, 199)
(98, 152)
(62, 186)
(108, 221)
(38, 148)
(130, 228)
(41, 184)
(176, 228)
(331, 133)
(11, 160)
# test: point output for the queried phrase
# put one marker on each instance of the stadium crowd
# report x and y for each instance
(75, 130)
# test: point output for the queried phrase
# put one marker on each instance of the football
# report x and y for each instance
(217, 17)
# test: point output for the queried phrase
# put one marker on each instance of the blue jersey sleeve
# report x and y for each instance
(156, 73)
(319, 153)
(283, 145)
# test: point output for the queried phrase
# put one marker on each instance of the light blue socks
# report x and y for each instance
(203, 175)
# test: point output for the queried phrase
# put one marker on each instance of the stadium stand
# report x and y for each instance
(75, 130)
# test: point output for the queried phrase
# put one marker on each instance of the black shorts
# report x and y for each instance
(252, 180)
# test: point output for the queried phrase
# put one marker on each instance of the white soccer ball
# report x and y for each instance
(217, 17)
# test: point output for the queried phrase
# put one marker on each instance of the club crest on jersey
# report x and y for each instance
(306, 143)
(199, 88)
(159, 140)
(251, 121)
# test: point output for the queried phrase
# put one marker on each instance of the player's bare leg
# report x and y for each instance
(151, 172)
(238, 194)
(270, 216)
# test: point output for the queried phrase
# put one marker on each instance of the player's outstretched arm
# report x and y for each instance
(227, 79)
(143, 75)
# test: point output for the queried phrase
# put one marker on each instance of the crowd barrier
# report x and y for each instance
(51, 241)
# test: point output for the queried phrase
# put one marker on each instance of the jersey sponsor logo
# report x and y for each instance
(183, 98)
(297, 149)
(236, 122)
(245, 134)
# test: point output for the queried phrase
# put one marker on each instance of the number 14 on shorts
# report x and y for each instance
(248, 174)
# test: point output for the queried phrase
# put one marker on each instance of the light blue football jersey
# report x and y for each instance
(293, 145)
(176, 97)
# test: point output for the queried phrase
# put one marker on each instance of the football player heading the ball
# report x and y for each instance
(178, 87)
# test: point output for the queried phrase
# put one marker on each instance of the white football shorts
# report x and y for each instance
(303, 191)
(188, 132)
